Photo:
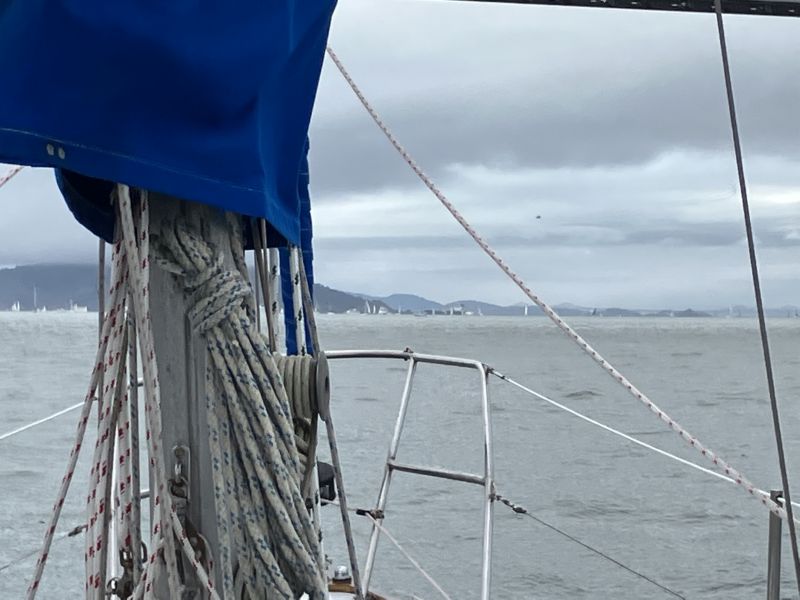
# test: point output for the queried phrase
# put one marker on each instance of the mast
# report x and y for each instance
(181, 353)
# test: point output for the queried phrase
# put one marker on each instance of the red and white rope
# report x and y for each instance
(131, 274)
(716, 460)
(10, 174)
(83, 420)
(137, 248)
(114, 382)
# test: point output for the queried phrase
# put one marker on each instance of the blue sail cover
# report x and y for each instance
(200, 99)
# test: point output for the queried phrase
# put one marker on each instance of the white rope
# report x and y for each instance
(116, 297)
(256, 470)
(131, 503)
(295, 258)
(274, 285)
(99, 498)
(55, 415)
(135, 245)
(729, 470)
(166, 521)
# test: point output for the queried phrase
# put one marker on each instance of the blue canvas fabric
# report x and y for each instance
(199, 99)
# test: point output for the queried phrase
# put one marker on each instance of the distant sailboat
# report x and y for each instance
(77, 307)
(36, 302)
(35, 305)
(15, 307)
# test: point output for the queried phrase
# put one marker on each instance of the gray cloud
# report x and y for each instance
(532, 88)
(581, 236)
(609, 125)
(36, 225)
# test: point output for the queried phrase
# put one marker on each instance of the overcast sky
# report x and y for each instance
(610, 125)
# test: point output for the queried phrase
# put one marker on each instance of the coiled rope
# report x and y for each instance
(695, 443)
(266, 533)
(298, 374)
(257, 469)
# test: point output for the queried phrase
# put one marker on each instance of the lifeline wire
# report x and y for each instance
(762, 322)
(63, 411)
(551, 314)
(13, 432)
(521, 510)
(623, 435)
(22, 557)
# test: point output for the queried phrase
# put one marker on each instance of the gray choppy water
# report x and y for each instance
(694, 533)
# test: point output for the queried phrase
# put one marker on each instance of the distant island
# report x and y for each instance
(74, 287)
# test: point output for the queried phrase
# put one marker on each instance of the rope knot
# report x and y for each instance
(214, 293)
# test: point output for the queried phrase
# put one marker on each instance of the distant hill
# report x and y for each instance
(619, 312)
(55, 285)
(329, 300)
(59, 285)
(409, 303)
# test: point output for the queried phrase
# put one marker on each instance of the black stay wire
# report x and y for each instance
(762, 323)
(524, 511)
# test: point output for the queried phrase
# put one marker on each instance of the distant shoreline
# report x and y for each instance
(62, 286)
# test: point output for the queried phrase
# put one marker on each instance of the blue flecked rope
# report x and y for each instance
(269, 545)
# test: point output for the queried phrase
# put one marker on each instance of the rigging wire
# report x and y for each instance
(762, 322)
(611, 430)
(521, 510)
(64, 411)
(398, 545)
(622, 434)
(22, 557)
(408, 557)
(612, 371)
